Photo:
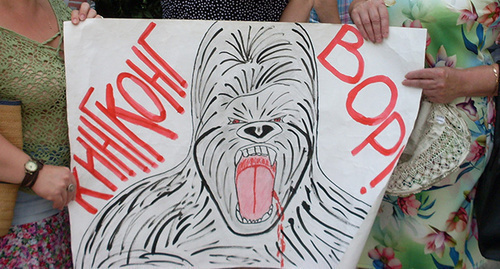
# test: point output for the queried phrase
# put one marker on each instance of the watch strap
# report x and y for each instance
(31, 177)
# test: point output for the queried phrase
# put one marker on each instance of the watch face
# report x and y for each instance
(31, 166)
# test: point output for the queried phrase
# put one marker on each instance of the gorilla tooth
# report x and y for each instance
(265, 150)
(243, 220)
(272, 157)
(238, 214)
(258, 150)
(239, 217)
(238, 157)
(245, 153)
(267, 214)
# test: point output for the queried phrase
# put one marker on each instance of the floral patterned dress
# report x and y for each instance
(437, 228)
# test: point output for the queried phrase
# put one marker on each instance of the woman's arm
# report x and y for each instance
(444, 84)
(439, 84)
(327, 10)
(51, 182)
(12, 162)
(297, 11)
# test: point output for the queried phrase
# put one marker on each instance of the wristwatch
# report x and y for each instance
(32, 168)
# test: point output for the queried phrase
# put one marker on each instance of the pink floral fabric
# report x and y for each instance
(42, 244)
(436, 228)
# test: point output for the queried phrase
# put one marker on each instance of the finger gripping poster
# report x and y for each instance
(202, 144)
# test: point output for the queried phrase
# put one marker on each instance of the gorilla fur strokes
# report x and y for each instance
(250, 191)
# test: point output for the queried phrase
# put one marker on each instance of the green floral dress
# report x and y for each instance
(437, 228)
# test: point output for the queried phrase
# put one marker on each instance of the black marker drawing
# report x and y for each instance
(250, 192)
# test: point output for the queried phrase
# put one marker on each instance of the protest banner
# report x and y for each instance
(232, 144)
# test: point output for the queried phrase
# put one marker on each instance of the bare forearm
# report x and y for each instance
(479, 80)
(51, 182)
(297, 11)
(327, 10)
(444, 84)
(12, 162)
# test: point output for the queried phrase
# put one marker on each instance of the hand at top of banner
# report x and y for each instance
(83, 13)
(371, 19)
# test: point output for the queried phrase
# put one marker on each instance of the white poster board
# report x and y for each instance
(232, 144)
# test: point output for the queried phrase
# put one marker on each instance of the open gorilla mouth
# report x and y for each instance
(255, 177)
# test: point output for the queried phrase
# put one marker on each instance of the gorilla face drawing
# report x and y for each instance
(254, 140)
(250, 192)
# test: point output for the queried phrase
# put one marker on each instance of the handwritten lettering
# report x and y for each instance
(349, 46)
(384, 119)
(111, 145)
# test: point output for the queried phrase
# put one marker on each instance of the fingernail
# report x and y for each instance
(75, 20)
(82, 17)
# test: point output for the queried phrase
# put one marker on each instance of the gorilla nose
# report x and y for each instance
(259, 131)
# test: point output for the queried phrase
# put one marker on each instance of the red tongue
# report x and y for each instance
(255, 185)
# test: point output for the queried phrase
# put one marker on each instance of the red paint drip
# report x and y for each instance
(281, 237)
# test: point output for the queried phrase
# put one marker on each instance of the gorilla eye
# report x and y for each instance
(234, 121)
(280, 119)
